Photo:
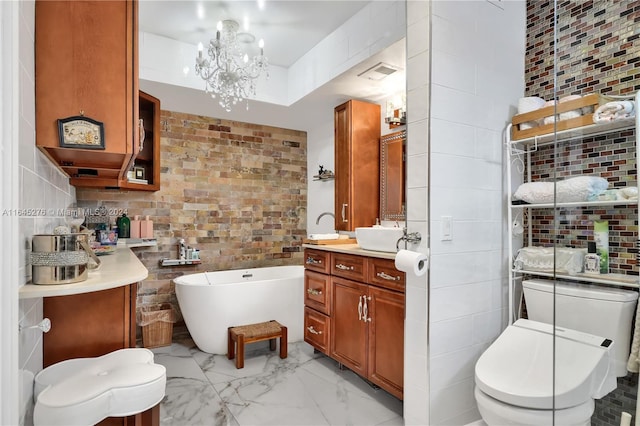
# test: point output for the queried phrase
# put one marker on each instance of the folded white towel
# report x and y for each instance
(614, 111)
(324, 236)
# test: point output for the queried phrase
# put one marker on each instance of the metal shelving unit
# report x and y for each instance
(525, 147)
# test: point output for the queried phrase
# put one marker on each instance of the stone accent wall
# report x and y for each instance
(235, 191)
(598, 51)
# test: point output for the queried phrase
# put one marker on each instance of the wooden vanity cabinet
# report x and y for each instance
(357, 164)
(86, 63)
(354, 313)
(317, 299)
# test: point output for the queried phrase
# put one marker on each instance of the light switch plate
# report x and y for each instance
(446, 228)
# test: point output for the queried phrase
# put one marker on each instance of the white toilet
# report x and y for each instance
(514, 376)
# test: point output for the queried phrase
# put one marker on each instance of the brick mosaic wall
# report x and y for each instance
(235, 191)
(598, 51)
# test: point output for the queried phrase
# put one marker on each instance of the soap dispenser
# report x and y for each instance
(591, 259)
(124, 226)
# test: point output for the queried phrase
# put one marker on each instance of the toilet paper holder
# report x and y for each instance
(413, 237)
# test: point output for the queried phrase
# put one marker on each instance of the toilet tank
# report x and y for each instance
(602, 311)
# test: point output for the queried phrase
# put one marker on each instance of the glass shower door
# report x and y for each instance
(591, 84)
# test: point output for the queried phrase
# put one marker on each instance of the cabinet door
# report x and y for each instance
(342, 140)
(89, 324)
(348, 328)
(86, 63)
(386, 339)
(357, 164)
(148, 158)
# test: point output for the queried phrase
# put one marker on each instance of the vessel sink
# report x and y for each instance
(378, 238)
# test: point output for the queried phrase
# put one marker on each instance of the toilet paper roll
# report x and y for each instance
(412, 262)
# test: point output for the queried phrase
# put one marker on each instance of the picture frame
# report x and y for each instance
(81, 132)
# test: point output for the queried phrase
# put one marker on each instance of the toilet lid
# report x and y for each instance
(518, 368)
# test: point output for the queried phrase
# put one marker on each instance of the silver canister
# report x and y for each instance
(61, 259)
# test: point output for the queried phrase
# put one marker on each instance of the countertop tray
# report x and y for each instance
(330, 242)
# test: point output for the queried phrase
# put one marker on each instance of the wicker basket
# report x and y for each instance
(157, 325)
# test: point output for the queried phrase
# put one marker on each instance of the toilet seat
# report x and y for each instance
(517, 369)
(494, 412)
(84, 391)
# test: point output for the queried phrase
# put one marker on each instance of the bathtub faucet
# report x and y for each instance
(324, 214)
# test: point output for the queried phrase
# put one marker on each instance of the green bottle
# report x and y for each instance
(124, 226)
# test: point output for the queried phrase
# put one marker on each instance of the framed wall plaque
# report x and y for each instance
(81, 132)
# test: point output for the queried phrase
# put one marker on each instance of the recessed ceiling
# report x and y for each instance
(289, 28)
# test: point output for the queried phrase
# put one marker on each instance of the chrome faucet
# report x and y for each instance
(324, 214)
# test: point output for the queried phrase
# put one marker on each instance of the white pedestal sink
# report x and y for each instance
(378, 238)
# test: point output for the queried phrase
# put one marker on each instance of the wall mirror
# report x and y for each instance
(392, 176)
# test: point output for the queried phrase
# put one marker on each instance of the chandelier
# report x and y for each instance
(228, 72)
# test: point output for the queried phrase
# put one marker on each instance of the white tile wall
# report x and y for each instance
(42, 187)
(416, 367)
(477, 78)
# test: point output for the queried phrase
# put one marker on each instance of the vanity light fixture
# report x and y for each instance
(229, 74)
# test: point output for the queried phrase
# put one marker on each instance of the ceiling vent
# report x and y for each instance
(379, 71)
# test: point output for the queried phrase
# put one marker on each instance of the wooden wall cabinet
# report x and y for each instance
(354, 313)
(357, 169)
(86, 63)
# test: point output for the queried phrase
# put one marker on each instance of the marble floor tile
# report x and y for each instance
(306, 388)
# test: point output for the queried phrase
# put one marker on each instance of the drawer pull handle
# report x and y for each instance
(344, 267)
(314, 292)
(360, 308)
(388, 277)
(313, 330)
(312, 261)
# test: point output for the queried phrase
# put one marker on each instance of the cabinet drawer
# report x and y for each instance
(348, 266)
(317, 260)
(383, 273)
(317, 291)
(316, 330)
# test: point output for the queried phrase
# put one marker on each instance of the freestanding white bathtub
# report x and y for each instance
(213, 301)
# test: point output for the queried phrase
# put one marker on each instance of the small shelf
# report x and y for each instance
(609, 279)
(324, 177)
(137, 242)
(611, 203)
(179, 262)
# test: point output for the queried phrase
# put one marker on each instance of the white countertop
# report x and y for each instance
(351, 249)
(117, 269)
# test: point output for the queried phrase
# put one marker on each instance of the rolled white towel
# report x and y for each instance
(551, 118)
(613, 111)
(570, 114)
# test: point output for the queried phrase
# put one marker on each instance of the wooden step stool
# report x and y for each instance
(244, 334)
